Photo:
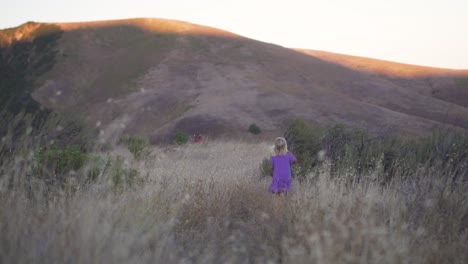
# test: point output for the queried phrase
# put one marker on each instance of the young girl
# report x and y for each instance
(281, 163)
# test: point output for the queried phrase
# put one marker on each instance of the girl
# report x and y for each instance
(281, 162)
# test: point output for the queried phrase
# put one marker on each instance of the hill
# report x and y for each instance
(153, 76)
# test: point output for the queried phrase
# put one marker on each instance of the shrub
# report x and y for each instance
(265, 167)
(443, 147)
(354, 151)
(136, 145)
(304, 141)
(180, 138)
(59, 160)
(350, 149)
(254, 129)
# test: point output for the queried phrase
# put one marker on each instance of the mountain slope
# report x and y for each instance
(445, 84)
(154, 76)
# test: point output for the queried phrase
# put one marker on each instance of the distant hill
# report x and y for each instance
(154, 76)
(428, 80)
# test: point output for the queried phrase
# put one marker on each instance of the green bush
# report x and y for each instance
(136, 145)
(180, 138)
(254, 129)
(304, 140)
(444, 147)
(265, 167)
(59, 160)
(351, 151)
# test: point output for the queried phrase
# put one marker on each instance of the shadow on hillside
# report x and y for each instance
(122, 51)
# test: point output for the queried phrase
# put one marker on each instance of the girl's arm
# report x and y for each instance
(294, 160)
(271, 166)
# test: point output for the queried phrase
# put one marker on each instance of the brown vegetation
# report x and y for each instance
(207, 203)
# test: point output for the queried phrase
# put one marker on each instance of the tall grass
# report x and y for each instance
(354, 151)
(208, 203)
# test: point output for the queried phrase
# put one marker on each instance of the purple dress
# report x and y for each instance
(281, 181)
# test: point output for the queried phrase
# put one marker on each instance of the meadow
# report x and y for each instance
(96, 165)
(208, 203)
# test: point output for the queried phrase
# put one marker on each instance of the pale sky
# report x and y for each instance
(423, 32)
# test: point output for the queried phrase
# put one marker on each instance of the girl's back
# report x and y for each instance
(282, 165)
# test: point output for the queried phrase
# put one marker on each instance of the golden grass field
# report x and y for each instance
(76, 93)
(207, 203)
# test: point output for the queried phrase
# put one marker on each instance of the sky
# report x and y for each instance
(423, 32)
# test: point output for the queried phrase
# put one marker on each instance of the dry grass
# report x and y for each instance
(207, 203)
(392, 69)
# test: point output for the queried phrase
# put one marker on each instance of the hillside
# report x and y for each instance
(445, 84)
(153, 76)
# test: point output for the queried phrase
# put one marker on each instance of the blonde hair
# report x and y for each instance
(281, 146)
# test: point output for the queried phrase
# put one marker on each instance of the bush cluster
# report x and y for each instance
(136, 145)
(180, 138)
(347, 150)
(254, 129)
(58, 159)
(265, 167)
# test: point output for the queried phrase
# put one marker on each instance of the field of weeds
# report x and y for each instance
(208, 203)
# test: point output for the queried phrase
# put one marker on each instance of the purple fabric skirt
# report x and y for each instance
(280, 185)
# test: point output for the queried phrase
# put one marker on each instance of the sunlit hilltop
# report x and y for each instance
(155, 76)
